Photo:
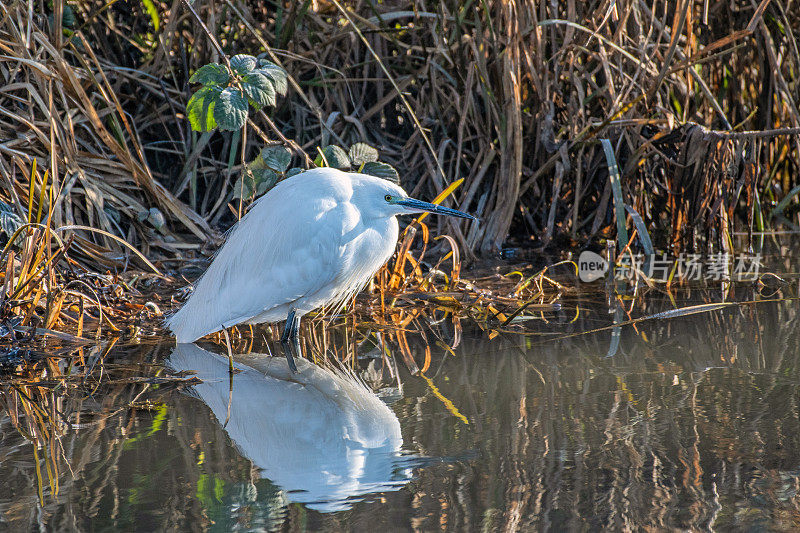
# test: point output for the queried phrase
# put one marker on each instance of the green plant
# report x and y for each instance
(273, 164)
(228, 90)
(361, 156)
(261, 174)
(224, 101)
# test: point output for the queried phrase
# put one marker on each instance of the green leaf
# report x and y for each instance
(202, 106)
(211, 74)
(616, 189)
(254, 183)
(362, 153)
(10, 221)
(334, 157)
(276, 74)
(381, 170)
(242, 64)
(68, 17)
(259, 89)
(294, 171)
(266, 181)
(783, 204)
(154, 216)
(276, 157)
(231, 109)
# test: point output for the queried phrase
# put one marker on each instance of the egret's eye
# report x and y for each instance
(388, 197)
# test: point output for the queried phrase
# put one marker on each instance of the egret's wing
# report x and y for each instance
(287, 246)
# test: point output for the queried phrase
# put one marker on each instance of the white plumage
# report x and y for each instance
(313, 240)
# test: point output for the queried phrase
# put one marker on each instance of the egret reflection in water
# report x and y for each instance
(322, 436)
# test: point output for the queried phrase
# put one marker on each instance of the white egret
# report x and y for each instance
(313, 240)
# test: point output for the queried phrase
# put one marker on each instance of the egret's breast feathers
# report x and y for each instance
(372, 245)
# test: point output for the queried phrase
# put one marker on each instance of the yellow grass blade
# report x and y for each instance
(447, 403)
(30, 190)
(441, 196)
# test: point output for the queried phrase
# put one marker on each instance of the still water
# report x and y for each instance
(684, 423)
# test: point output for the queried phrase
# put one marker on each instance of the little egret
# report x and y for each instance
(313, 240)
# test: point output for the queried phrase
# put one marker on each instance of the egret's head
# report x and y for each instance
(387, 199)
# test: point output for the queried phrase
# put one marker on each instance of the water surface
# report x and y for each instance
(687, 423)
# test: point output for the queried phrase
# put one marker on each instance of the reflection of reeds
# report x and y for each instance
(663, 435)
(35, 413)
(34, 397)
(43, 396)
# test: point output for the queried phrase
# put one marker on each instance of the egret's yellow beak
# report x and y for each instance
(418, 206)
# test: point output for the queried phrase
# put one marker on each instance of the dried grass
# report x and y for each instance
(510, 96)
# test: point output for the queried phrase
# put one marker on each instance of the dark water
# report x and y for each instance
(693, 424)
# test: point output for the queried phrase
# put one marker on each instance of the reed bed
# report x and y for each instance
(699, 102)
(45, 291)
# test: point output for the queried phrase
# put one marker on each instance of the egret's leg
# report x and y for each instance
(290, 339)
(295, 333)
(287, 328)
